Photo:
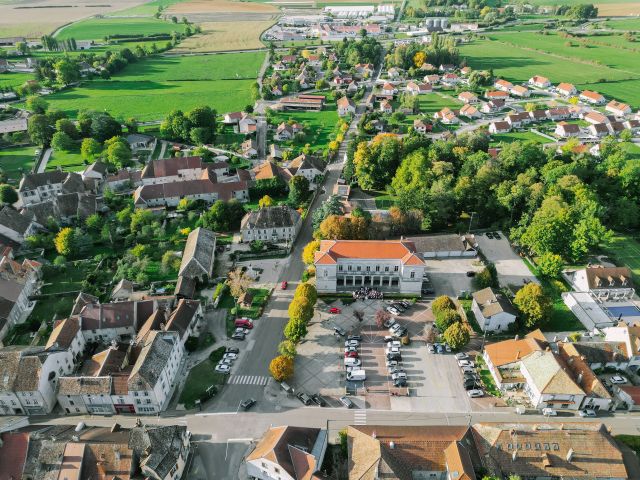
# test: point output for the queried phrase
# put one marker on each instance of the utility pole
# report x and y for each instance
(470, 220)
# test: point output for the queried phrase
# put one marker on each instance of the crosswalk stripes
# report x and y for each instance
(360, 417)
(248, 380)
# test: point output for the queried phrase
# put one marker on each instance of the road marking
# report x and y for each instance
(248, 380)
(360, 417)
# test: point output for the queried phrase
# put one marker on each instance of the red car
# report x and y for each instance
(351, 354)
(335, 310)
(244, 323)
(284, 285)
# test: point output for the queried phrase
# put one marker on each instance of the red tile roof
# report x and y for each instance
(332, 250)
(13, 453)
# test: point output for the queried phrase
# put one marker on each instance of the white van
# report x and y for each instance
(357, 375)
(352, 362)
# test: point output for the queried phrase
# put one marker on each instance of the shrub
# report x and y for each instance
(281, 368)
(295, 329)
(300, 309)
(191, 345)
(306, 291)
(487, 277)
(457, 335)
(442, 303)
(446, 318)
(217, 354)
(220, 290)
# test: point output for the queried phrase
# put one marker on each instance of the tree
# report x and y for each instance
(309, 251)
(223, 216)
(265, 201)
(118, 153)
(457, 335)
(441, 303)
(487, 277)
(446, 318)
(298, 190)
(287, 349)
(239, 282)
(534, 305)
(67, 71)
(139, 219)
(103, 126)
(300, 309)
(295, 330)
(36, 104)
(8, 195)
(382, 316)
(90, 149)
(64, 241)
(40, 129)
(62, 142)
(281, 368)
(550, 265)
(93, 222)
(307, 291)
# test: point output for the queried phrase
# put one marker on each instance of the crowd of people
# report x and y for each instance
(367, 293)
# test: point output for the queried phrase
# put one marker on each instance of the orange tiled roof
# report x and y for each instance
(509, 351)
(332, 250)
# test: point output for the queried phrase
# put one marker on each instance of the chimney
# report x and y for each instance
(117, 454)
(392, 445)
(373, 434)
(517, 337)
(570, 455)
(514, 455)
(579, 379)
(518, 355)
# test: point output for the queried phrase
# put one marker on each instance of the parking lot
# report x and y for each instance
(449, 275)
(510, 267)
(434, 381)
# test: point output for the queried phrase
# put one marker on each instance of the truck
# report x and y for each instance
(356, 375)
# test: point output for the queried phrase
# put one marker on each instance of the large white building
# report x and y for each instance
(386, 265)
(278, 224)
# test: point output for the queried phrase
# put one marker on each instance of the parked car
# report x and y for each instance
(549, 412)
(401, 382)
(392, 350)
(243, 323)
(346, 402)
(587, 412)
(304, 398)
(618, 379)
(461, 356)
(352, 362)
(431, 348)
(393, 370)
(475, 393)
(394, 343)
(394, 356)
(389, 338)
(335, 310)
(223, 368)
(471, 273)
(468, 370)
(471, 385)
(355, 337)
(238, 336)
(496, 235)
(356, 375)
(392, 311)
(241, 330)
(395, 328)
(339, 331)
(389, 323)
(318, 400)
(391, 363)
(465, 363)
(248, 403)
(352, 343)
(350, 349)
(428, 291)
(284, 285)
(352, 354)
(447, 348)
(230, 356)
(235, 350)
(405, 304)
(489, 235)
(398, 306)
(398, 375)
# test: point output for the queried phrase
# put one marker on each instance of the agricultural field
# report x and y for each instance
(16, 160)
(151, 88)
(225, 36)
(518, 63)
(99, 28)
(632, 24)
(625, 249)
(46, 16)
(202, 10)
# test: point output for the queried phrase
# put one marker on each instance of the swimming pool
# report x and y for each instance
(625, 311)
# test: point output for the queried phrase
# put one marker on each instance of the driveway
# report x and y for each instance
(449, 275)
(511, 269)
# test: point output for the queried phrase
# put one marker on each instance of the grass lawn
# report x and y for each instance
(201, 377)
(623, 24)
(16, 160)
(318, 126)
(99, 28)
(434, 102)
(487, 379)
(67, 161)
(632, 149)
(517, 137)
(384, 201)
(13, 79)
(625, 249)
(151, 88)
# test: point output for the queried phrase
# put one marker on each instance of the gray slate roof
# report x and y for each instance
(271, 217)
(154, 355)
(157, 447)
(15, 221)
(198, 255)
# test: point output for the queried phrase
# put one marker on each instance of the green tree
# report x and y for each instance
(300, 309)
(281, 368)
(534, 305)
(295, 330)
(36, 104)
(442, 303)
(287, 348)
(93, 222)
(8, 194)
(90, 149)
(550, 265)
(298, 190)
(64, 241)
(119, 154)
(67, 126)
(140, 218)
(457, 335)
(62, 142)
(487, 277)
(445, 318)
(67, 71)
(40, 129)
(265, 201)
(307, 291)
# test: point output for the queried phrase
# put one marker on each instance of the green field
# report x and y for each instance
(625, 249)
(619, 78)
(67, 161)
(624, 24)
(12, 80)
(99, 28)
(148, 8)
(318, 125)
(149, 89)
(16, 160)
(434, 102)
(518, 137)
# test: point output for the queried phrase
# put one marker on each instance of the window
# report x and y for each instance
(358, 268)
(396, 268)
(349, 267)
(326, 273)
(368, 268)
(339, 268)
(377, 268)
(386, 269)
(413, 275)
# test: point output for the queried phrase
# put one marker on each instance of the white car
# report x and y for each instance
(468, 370)
(393, 311)
(461, 356)
(549, 412)
(230, 356)
(398, 375)
(587, 413)
(351, 343)
(244, 331)
(223, 368)
(617, 379)
(392, 363)
(475, 393)
(392, 350)
(389, 323)
(395, 328)
(466, 363)
(394, 343)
